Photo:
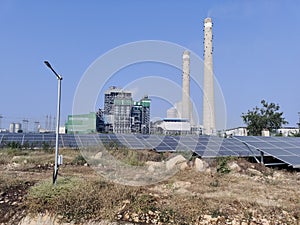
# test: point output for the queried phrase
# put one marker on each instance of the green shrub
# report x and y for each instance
(79, 160)
(222, 166)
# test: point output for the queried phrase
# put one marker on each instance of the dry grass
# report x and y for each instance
(81, 195)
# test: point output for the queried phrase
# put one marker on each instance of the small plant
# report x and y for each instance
(47, 147)
(222, 166)
(14, 145)
(216, 213)
(79, 160)
(248, 217)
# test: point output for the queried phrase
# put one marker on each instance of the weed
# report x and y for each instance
(79, 200)
(79, 160)
(222, 166)
(216, 213)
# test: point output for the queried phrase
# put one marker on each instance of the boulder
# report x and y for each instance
(184, 166)
(200, 165)
(253, 172)
(98, 155)
(175, 161)
(233, 166)
(152, 166)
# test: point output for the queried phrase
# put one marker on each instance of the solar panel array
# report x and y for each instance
(283, 148)
(286, 149)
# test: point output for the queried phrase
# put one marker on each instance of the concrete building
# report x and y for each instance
(238, 131)
(287, 131)
(175, 126)
(209, 126)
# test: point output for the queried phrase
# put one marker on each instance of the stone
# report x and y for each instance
(234, 167)
(184, 166)
(98, 155)
(175, 161)
(254, 172)
(14, 203)
(152, 166)
(200, 165)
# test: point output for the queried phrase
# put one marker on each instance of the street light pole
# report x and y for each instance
(59, 79)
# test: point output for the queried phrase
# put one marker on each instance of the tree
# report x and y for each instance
(266, 117)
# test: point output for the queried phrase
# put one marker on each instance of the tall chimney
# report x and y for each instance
(209, 125)
(186, 105)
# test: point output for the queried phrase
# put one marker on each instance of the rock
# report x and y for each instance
(234, 167)
(200, 165)
(175, 161)
(15, 164)
(152, 166)
(184, 166)
(98, 155)
(135, 217)
(253, 172)
(181, 184)
(126, 216)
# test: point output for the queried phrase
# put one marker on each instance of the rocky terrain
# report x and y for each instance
(222, 191)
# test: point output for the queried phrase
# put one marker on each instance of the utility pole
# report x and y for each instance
(1, 121)
(58, 159)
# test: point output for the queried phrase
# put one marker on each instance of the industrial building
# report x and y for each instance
(120, 115)
(175, 126)
(140, 116)
(183, 110)
(117, 109)
(81, 124)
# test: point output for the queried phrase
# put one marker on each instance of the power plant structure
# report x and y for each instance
(209, 123)
(183, 110)
(121, 114)
(186, 103)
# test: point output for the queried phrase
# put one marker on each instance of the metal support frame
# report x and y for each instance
(261, 157)
(262, 154)
(256, 159)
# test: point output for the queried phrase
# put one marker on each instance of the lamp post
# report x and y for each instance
(59, 78)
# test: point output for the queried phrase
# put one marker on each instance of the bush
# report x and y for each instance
(222, 166)
(78, 200)
(79, 160)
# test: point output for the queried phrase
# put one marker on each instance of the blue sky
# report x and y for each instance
(256, 49)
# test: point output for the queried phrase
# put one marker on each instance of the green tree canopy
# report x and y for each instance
(266, 117)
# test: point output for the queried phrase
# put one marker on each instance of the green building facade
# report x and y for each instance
(81, 124)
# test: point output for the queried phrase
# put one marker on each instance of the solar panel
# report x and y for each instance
(286, 149)
(277, 147)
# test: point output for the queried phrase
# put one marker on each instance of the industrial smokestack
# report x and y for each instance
(209, 125)
(186, 105)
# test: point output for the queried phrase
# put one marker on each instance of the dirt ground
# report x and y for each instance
(246, 193)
